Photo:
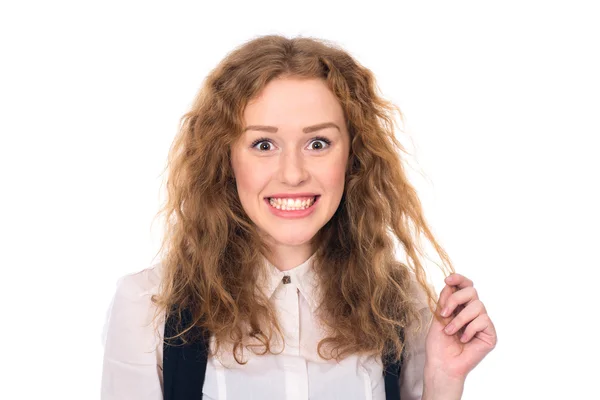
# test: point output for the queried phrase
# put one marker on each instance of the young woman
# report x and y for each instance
(286, 190)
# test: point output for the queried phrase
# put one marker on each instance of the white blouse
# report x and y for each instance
(132, 367)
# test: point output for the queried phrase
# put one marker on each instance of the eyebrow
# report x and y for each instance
(308, 129)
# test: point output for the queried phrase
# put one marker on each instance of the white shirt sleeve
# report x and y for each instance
(411, 374)
(132, 366)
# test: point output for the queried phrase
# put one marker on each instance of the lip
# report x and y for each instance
(292, 214)
(291, 195)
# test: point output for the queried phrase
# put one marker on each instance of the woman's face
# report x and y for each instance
(295, 146)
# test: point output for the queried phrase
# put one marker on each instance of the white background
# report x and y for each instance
(501, 100)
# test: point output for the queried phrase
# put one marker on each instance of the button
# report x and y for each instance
(287, 279)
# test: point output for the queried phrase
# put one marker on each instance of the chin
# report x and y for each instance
(294, 238)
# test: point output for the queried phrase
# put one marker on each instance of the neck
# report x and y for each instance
(285, 257)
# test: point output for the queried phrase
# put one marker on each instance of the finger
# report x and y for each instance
(460, 297)
(483, 326)
(444, 296)
(458, 280)
(468, 314)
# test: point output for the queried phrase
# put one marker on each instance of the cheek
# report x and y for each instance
(334, 175)
(250, 179)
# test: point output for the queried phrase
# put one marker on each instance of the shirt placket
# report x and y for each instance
(296, 375)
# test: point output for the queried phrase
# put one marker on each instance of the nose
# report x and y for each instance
(292, 170)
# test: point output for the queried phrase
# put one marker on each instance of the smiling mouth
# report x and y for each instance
(284, 205)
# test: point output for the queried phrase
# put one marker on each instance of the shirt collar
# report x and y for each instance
(302, 276)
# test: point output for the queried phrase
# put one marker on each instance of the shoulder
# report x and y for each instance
(417, 294)
(139, 284)
(131, 309)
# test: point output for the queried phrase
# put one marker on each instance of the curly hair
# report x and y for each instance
(212, 250)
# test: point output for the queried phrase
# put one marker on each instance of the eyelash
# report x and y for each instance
(319, 138)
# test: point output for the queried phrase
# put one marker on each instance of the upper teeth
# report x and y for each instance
(287, 203)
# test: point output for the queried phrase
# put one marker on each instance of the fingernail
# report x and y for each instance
(445, 312)
(449, 329)
(463, 338)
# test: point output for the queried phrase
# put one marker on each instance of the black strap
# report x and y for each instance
(184, 366)
(391, 374)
